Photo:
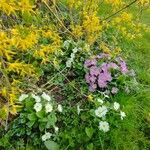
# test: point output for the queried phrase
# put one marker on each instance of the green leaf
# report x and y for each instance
(42, 126)
(29, 104)
(30, 124)
(43, 120)
(90, 146)
(89, 132)
(40, 114)
(51, 145)
(32, 117)
(51, 120)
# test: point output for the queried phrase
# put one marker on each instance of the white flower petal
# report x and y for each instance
(48, 108)
(101, 111)
(46, 136)
(46, 96)
(38, 107)
(116, 105)
(104, 126)
(60, 109)
(23, 97)
(56, 129)
(37, 98)
(100, 100)
(122, 114)
(78, 109)
(75, 50)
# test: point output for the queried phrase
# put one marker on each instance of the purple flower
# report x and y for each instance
(114, 90)
(94, 71)
(112, 65)
(100, 76)
(123, 66)
(104, 67)
(92, 87)
(92, 79)
(87, 77)
(105, 76)
(101, 83)
(102, 55)
(90, 62)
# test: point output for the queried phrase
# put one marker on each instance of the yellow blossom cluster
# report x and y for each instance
(23, 47)
(24, 38)
(127, 26)
(115, 2)
(44, 49)
(12, 6)
(144, 2)
(91, 27)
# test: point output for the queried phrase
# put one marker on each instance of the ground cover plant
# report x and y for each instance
(74, 75)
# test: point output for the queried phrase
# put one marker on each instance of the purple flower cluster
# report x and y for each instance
(123, 66)
(100, 76)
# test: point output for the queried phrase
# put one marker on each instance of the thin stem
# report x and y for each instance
(102, 145)
(114, 14)
(57, 18)
(8, 85)
(70, 84)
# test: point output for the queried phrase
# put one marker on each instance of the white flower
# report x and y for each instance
(104, 126)
(101, 111)
(78, 109)
(38, 107)
(116, 105)
(48, 108)
(100, 100)
(106, 96)
(68, 63)
(37, 98)
(56, 129)
(67, 43)
(46, 136)
(60, 109)
(23, 97)
(72, 56)
(46, 96)
(122, 114)
(75, 50)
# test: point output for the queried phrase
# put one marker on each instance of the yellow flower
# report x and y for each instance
(105, 48)
(26, 6)
(90, 97)
(4, 92)
(77, 31)
(144, 2)
(8, 6)
(21, 68)
(91, 27)
(115, 3)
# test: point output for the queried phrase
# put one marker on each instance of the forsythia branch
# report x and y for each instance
(114, 14)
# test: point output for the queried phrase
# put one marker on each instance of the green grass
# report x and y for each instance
(134, 133)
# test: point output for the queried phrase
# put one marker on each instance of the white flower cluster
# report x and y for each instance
(39, 102)
(101, 112)
(23, 97)
(67, 43)
(72, 57)
(46, 136)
